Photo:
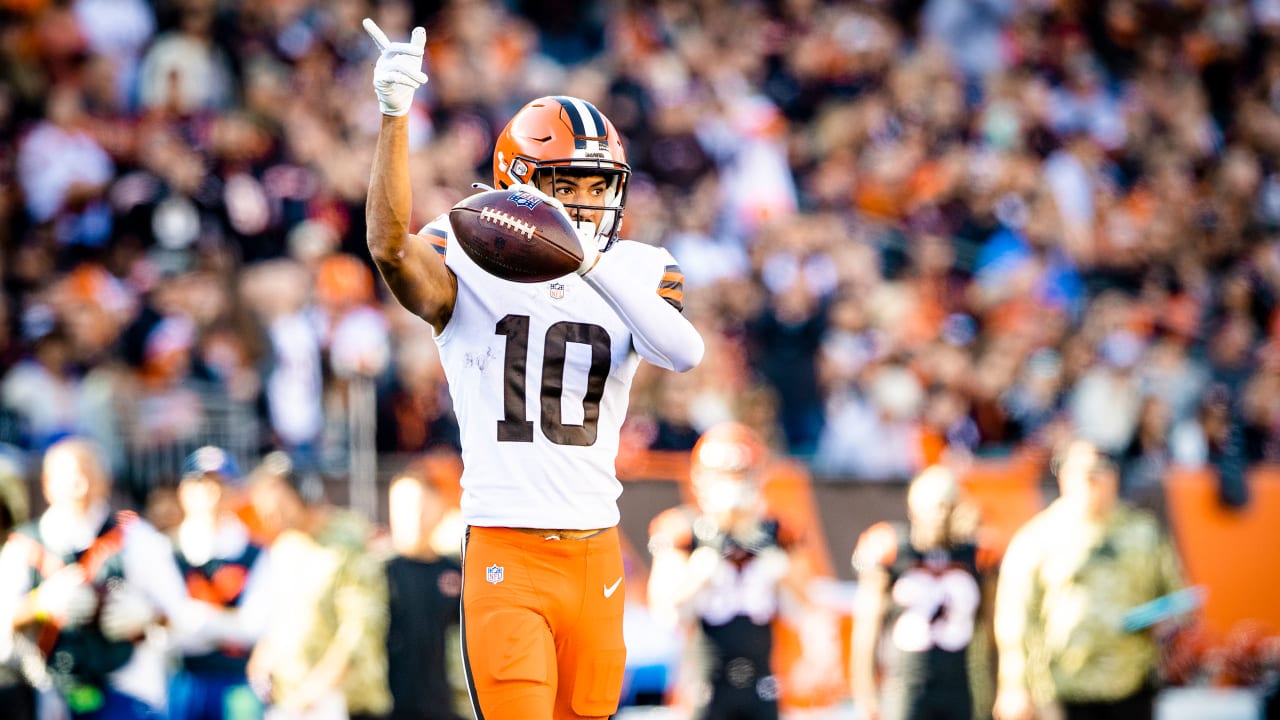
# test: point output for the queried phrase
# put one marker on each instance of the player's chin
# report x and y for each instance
(587, 230)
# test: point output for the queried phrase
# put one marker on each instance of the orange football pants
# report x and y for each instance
(542, 624)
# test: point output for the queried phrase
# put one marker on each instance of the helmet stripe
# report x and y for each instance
(586, 120)
(575, 119)
(597, 120)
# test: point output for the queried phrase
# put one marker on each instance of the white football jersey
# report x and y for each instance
(540, 375)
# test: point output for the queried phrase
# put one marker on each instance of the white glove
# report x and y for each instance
(126, 613)
(66, 598)
(584, 230)
(399, 70)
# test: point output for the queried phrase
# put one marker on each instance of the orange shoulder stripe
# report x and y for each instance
(439, 239)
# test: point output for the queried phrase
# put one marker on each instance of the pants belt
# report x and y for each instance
(550, 534)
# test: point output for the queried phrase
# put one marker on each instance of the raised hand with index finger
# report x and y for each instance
(399, 70)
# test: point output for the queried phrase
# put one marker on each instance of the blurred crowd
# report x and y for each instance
(909, 228)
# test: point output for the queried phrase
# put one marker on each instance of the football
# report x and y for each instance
(516, 235)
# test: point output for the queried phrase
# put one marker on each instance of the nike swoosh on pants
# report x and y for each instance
(609, 589)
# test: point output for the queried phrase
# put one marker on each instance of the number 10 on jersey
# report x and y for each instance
(515, 425)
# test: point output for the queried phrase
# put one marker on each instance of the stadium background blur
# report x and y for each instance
(911, 230)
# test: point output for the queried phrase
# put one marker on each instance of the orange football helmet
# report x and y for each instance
(726, 464)
(558, 132)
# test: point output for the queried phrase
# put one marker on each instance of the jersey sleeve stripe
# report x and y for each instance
(675, 297)
(671, 288)
(439, 239)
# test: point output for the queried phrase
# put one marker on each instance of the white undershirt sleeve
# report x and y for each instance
(662, 335)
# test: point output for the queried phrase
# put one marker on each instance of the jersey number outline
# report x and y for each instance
(514, 427)
(937, 610)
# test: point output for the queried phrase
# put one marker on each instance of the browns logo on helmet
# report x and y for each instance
(565, 134)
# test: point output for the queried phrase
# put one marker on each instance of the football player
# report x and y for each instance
(540, 375)
(724, 565)
(917, 603)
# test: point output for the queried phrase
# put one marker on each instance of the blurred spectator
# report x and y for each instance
(184, 71)
(415, 411)
(85, 585)
(1106, 401)
(1170, 372)
(1261, 413)
(785, 338)
(917, 607)
(278, 292)
(223, 567)
(1036, 398)
(424, 592)
(16, 693)
(676, 425)
(871, 433)
(1146, 462)
(324, 652)
(353, 331)
(971, 32)
(1213, 438)
(119, 31)
(1067, 579)
(64, 172)
(43, 391)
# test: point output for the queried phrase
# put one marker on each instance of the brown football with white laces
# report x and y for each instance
(516, 235)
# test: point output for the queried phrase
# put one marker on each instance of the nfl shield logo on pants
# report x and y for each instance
(493, 574)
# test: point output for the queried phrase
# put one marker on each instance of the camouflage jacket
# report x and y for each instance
(1064, 587)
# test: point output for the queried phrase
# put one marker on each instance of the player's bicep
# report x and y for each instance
(419, 278)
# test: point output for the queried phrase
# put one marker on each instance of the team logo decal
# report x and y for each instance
(557, 290)
(493, 574)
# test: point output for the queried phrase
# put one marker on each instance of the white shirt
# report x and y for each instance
(294, 386)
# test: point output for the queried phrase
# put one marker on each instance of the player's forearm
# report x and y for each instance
(661, 333)
(868, 615)
(1010, 633)
(864, 671)
(390, 195)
